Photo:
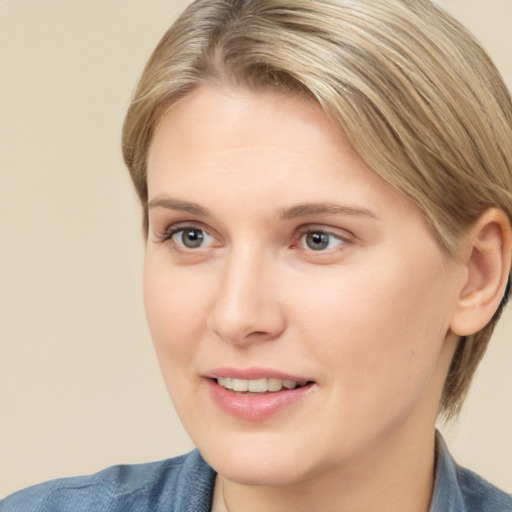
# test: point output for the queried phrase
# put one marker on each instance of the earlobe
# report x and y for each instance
(488, 260)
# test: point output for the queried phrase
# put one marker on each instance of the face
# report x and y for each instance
(299, 306)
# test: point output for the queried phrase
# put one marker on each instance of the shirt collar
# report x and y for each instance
(447, 495)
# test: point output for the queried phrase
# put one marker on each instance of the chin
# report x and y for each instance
(270, 473)
(258, 461)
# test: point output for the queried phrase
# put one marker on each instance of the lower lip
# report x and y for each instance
(255, 408)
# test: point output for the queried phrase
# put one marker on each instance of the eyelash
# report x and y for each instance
(169, 233)
(307, 230)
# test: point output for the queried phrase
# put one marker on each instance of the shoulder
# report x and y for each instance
(478, 494)
(166, 485)
(458, 489)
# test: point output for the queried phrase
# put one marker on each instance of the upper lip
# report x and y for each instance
(255, 373)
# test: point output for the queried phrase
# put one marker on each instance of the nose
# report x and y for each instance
(246, 308)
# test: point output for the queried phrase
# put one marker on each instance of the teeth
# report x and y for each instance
(274, 384)
(256, 385)
(240, 385)
(226, 383)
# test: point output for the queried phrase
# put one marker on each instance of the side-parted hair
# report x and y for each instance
(418, 98)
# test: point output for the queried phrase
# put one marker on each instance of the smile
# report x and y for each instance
(257, 398)
(256, 386)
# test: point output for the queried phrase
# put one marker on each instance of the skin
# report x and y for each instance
(367, 318)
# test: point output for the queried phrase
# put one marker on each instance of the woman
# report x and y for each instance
(327, 207)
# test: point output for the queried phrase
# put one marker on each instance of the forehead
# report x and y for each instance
(241, 115)
(268, 144)
(227, 124)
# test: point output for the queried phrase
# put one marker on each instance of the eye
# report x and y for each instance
(318, 240)
(189, 237)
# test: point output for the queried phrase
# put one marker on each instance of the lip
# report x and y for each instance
(255, 408)
(254, 373)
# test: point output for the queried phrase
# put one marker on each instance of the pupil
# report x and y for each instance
(317, 241)
(193, 238)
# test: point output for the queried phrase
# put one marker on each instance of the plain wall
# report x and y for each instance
(80, 388)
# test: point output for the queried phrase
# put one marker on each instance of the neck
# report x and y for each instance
(397, 476)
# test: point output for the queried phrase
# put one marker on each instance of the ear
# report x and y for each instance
(487, 259)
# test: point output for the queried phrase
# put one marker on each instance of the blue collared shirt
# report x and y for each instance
(185, 484)
(458, 489)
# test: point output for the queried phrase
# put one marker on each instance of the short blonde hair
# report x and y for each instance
(417, 96)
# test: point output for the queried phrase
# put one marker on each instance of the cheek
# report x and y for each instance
(380, 331)
(173, 307)
(176, 322)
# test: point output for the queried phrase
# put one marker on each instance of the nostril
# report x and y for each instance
(259, 333)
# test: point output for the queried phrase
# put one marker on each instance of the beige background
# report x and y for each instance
(79, 385)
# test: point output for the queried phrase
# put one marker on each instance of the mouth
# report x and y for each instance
(253, 396)
(257, 387)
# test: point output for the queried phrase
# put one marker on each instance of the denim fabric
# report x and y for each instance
(459, 490)
(185, 484)
(181, 484)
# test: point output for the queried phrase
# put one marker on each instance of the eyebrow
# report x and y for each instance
(177, 204)
(302, 210)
